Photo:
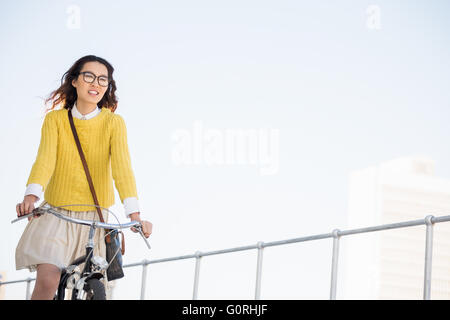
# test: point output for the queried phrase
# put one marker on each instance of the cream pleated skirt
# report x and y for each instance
(48, 239)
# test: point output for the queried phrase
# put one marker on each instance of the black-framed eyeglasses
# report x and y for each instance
(89, 77)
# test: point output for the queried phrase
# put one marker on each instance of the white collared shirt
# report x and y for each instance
(130, 204)
(77, 114)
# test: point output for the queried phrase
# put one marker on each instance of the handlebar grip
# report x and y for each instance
(33, 213)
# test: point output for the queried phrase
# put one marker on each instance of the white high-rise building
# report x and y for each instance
(390, 264)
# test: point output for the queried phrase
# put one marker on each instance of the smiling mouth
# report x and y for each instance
(93, 92)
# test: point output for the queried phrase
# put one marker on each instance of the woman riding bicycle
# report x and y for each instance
(48, 244)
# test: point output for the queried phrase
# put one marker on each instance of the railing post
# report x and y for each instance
(197, 273)
(334, 264)
(258, 270)
(428, 256)
(143, 278)
(27, 293)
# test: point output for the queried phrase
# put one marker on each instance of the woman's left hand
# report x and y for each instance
(147, 226)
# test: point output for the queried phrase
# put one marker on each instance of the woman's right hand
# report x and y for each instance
(27, 205)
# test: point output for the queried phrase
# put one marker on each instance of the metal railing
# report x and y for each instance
(336, 234)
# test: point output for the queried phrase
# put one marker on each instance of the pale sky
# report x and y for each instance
(330, 87)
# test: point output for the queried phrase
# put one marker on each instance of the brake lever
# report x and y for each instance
(35, 212)
(139, 229)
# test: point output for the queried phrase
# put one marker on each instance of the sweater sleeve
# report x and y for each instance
(45, 162)
(120, 160)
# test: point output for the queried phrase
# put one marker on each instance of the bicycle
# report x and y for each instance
(85, 284)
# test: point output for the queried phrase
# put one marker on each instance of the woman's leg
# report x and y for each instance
(47, 281)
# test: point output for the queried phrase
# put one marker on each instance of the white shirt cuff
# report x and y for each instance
(131, 205)
(34, 189)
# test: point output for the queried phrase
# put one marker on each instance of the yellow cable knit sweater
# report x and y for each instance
(58, 167)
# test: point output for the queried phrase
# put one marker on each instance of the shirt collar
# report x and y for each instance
(77, 114)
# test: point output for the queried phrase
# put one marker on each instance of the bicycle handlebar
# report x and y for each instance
(46, 209)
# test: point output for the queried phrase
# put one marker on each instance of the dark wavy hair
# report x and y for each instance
(66, 94)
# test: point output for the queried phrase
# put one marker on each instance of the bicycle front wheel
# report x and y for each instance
(95, 290)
